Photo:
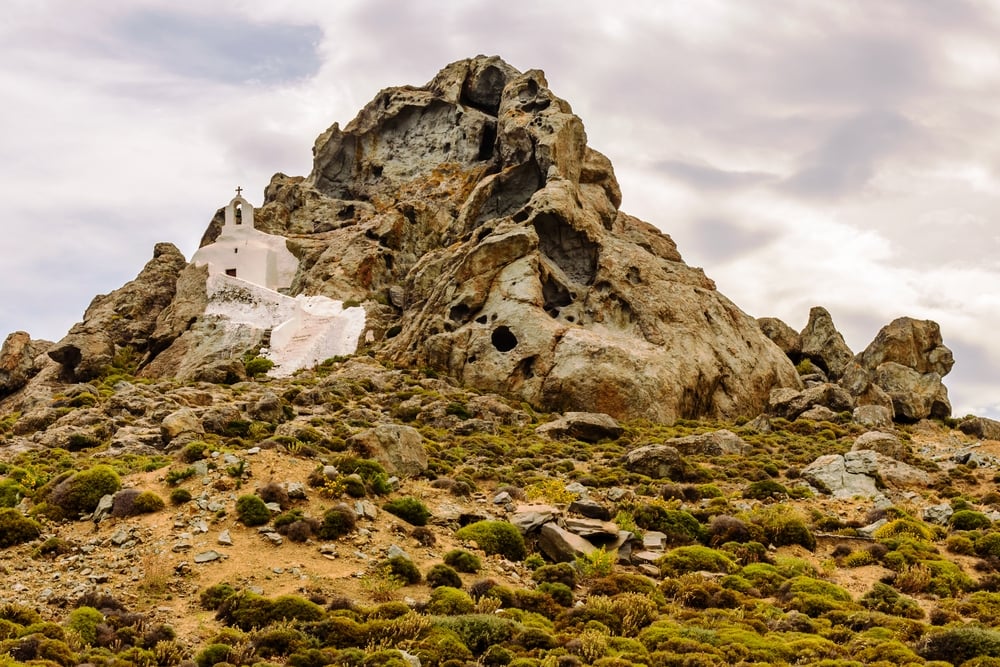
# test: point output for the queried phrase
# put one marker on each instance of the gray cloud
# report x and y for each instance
(217, 47)
(716, 240)
(709, 177)
(847, 159)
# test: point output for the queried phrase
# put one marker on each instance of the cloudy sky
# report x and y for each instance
(843, 153)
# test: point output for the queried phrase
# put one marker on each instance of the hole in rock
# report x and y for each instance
(481, 319)
(487, 142)
(503, 339)
(571, 250)
(526, 368)
(459, 313)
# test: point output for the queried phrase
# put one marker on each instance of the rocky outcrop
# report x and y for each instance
(861, 473)
(907, 361)
(485, 236)
(823, 345)
(586, 426)
(900, 371)
(716, 443)
(790, 404)
(124, 318)
(980, 427)
(19, 361)
(400, 449)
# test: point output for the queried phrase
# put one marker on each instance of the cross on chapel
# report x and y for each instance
(239, 191)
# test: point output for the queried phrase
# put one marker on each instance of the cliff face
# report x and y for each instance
(473, 209)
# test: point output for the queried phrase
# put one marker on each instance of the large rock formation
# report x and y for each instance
(901, 370)
(19, 361)
(474, 211)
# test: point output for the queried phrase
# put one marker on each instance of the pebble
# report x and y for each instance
(225, 538)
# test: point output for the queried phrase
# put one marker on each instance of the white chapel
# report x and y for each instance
(243, 252)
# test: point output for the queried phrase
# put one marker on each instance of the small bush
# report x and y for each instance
(495, 537)
(258, 366)
(959, 644)
(272, 492)
(695, 559)
(294, 608)
(15, 528)
(443, 575)
(562, 573)
(679, 526)
(448, 601)
(252, 511)
(131, 502)
(723, 528)
(11, 493)
(409, 509)
(213, 654)
(887, 600)
(404, 569)
(194, 451)
(765, 489)
(969, 520)
(179, 496)
(463, 561)
(338, 521)
(84, 621)
(212, 597)
(80, 493)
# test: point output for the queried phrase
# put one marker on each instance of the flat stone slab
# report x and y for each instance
(208, 556)
(561, 545)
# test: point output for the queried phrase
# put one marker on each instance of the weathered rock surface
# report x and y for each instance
(19, 361)
(124, 318)
(656, 461)
(790, 404)
(716, 443)
(857, 473)
(586, 426)
(561, 545)
(823, 345)
(980, 427)
(873, 416)
(473, 210)
(786, 338)
(883, 443)
(400, 449)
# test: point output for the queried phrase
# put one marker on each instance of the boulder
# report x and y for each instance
(400, 449)
(19, 361)
(656, 461)
(873, 416)
(590, 509)
(886, 444)
(786, 338)
(916, 344)
(914, 395)
(717, 443)
(585, 426)
(829, 474)
(980, 427)
(593, 530)
(562, 546)
(823, 345)
(529, 518)
(181, 421)
(938, 514)
(790, 404)
(819, 413)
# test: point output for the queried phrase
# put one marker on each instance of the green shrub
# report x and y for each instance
(561, 593)
(212, 597)
(11, 492)
(784, 527)
(175, 477)
(765, 489)
(294, 608)
(448, 601)
(695, 558)
(479, 631)
(887, 600)
(969, 520)
(443, 575)
(562, 573)
(338, 521)
(194, 451)
(903, 527)
(258, 366)
(403, 568)
(213, 654)
(15, 528)
(463, 561)
(252, 510)
(84, 621)
(80, 493)
(495, 537)
(245, 610)
(409, 509)
(54, 546)
(959, 644)
(679, 526)
(179, 496)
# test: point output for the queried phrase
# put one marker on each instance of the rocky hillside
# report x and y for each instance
(556, 445)
(362, 514)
